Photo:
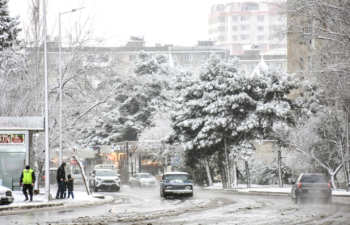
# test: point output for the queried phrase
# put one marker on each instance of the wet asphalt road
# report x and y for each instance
(144, 206)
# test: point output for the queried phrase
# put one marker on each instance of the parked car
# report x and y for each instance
(311, 186)
(143, 180)
(104, 179)
(176, 184)
(6, 196)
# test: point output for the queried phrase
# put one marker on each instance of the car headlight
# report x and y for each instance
(188, 187)
(168, 187)
(98, 179)
(144, 181)
(2, 193)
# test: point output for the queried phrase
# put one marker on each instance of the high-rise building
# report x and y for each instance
(245, 25)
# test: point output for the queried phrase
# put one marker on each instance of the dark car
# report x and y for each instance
(311, 186)
(176, 184)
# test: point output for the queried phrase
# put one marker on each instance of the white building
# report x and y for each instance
(242, 25)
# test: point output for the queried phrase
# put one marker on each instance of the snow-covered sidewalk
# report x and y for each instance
(268, 189)
(80, 199)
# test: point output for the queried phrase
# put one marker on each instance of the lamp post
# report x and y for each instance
(47, 151)
(60, 58)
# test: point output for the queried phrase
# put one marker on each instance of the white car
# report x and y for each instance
(6, 196)
(143, 180)
(104, 179)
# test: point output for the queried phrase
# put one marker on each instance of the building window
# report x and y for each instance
(221, 29)
(221, 38)
(234, 47)
(234, 18)
(221, 19)
(261, 47)
(260, 28)
(244, 18)
(244, 27)
(279, 66)
(234, 38)
(244, 37)
(250, 7)
(204, 57)
(260, 37)
(234, 28)
(260, 18)
(188, 57)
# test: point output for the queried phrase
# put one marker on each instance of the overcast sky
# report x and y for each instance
(179, 22)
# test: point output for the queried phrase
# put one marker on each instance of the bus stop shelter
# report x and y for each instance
(15, 147)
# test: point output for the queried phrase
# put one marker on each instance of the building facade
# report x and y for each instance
(245, 25)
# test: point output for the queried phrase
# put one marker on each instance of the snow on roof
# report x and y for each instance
(175, 173)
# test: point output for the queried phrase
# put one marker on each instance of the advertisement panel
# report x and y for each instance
(12, 139)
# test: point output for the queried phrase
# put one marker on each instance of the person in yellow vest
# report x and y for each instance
(27, 181)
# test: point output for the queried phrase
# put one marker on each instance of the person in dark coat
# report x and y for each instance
(62, 189)
(27, 180)
(61, 176)
(70, 186)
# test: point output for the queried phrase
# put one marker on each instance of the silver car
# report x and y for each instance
(143, 180)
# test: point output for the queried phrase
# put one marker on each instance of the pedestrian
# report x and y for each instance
(61, 189)
(61, 176)
(27, 181)
(70, 185)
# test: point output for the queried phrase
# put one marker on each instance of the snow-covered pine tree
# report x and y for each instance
(224, 106)
(133, 108)
(8, 27)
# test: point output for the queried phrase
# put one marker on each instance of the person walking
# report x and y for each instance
(61, 176)
(70, 186)
(27, 181)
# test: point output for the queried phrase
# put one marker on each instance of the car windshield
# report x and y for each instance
(177, 178)
(146, 176)
(313, 179)
(105, 173)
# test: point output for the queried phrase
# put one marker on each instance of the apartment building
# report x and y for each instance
(245, 25)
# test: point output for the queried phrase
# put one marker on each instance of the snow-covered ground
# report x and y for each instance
(80, 199)
(242, 188)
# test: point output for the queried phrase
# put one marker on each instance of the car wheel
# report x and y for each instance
(117, 189)
(191, 195)
(130, 184)
(95, 189)
(295, 200)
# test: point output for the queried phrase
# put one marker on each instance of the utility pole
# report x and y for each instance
(47, 145)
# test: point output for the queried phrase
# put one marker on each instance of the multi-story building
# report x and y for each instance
(244, 25)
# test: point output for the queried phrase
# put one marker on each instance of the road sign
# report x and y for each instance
(175, 161)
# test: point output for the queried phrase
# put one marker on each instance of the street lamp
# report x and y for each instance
(59, 25)
(47, 151)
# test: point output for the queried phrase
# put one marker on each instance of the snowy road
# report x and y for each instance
(144, 206)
